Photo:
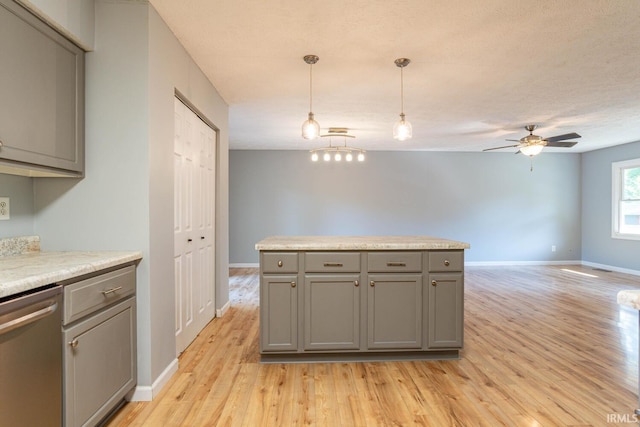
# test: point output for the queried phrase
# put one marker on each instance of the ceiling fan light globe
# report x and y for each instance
(310, 128)
(402, 130)
(531, 150)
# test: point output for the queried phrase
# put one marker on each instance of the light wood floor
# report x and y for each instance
(543, 347)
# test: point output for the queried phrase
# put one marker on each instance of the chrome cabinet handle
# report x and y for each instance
(356, 283)
(0, 144)
(74, 343)
(333, 264)
(434, 283)
(396, 264)
(372, 283)
(110, 291)
(280, 263)
(446, 262)
(293, 284)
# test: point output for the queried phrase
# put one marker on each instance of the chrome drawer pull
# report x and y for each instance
(446, 262)
(434, 283)
(293, 284)
(280, 263)
(396, 264)
(110, 291)
(74, 343)
(333, 264)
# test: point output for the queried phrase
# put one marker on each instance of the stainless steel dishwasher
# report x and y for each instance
(31, 358)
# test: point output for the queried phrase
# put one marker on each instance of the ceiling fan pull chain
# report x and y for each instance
(531, 158)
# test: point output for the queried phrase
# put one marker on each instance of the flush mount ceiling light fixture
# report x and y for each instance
(310, 128)
(402, 129)
(338, 152)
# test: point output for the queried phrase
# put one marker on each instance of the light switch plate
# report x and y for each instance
(4, 208)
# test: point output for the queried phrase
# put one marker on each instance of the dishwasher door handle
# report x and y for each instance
(28, 318)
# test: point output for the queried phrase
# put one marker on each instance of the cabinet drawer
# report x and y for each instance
(279, 262)
(383, 262)
(332, 262)
(446, 260)
(86, 296)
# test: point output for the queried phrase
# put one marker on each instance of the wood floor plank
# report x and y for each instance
(544, 346)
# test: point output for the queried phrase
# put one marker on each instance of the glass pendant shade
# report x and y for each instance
(531, 150)
(310, 128)
(402, 129)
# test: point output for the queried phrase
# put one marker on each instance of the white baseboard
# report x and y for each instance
(244, 265)
(508, 263)
(221, 311)
(612, 268)
(147, 393)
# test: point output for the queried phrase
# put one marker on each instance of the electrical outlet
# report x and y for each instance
(553, 248)
(4, 208)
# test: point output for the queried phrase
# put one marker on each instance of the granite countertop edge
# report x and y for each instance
(28, 271)
(342, 243)
(629, 298)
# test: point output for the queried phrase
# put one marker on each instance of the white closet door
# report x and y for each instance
(194, 224)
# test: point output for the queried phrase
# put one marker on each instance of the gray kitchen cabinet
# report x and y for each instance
(99, 336)
(279, 312)
(332, 312)
(42, 103)
(446, 310)
(360, 305)
(395, 311)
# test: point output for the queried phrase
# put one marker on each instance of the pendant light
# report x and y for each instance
(402, 129)
(310, 128)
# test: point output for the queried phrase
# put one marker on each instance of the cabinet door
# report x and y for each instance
(395, 311)
(332, 312)
(446, 310)
(42, 87)
(100, 364)
(279, 313)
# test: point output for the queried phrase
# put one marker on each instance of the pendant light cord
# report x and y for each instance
(402, 90)
(310, 88)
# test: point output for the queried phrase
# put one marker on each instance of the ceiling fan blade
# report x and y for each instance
(499, 148)
(565, 144)
(563, 137)
(515, 140)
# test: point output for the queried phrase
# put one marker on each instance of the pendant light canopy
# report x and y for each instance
(402, 129)
(310, 128)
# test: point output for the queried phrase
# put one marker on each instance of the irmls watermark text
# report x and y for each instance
(622, 418)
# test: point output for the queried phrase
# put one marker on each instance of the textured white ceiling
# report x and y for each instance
(479, 72)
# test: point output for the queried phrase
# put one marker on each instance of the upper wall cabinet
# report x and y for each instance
(41, 97)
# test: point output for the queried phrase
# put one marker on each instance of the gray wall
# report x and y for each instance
(597, 244)
(490, 200)
(122, 202)
(19, 189)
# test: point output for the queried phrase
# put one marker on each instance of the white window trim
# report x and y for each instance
(616, 183)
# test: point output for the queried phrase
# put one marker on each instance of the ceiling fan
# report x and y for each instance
(531, 145)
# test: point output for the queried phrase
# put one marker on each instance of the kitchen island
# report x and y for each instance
(334, 298)
(631, 298)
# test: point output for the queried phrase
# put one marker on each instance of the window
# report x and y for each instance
(626, 199)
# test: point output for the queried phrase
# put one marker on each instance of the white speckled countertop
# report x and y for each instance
(630, 298)
(357, 243)
(23, 267)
